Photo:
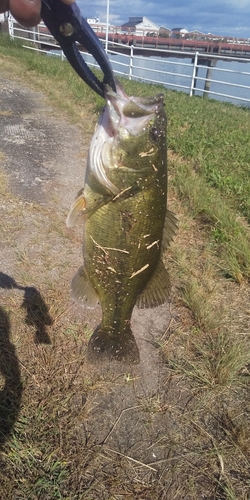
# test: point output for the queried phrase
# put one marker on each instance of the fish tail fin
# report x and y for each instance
(104, 345)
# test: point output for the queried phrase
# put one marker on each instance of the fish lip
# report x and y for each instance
(148, 104)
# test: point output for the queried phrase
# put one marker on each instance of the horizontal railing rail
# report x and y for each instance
(200, 76)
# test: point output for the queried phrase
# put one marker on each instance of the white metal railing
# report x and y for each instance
(162, 67)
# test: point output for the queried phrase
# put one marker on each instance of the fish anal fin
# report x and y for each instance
(156, 292)
(82, 289)
(170, 229)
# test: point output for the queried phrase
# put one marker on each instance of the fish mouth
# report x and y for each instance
(130, 115)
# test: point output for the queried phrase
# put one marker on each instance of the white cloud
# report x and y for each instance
(225, 17)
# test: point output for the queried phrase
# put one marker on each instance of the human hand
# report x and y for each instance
(26, 12)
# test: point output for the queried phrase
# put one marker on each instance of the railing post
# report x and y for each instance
(131, 62)
(11, 27)
(194, 75)
(34, 34)
(211, 64)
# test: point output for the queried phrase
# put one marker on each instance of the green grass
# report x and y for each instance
(216, 143)
(228, 233)
(203, 402)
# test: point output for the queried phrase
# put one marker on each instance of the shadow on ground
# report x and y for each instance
(38, 316)
(10, 395)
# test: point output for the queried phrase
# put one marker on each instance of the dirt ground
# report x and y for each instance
(44, 158)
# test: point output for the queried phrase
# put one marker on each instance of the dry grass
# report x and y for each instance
(209, 349)
(54, 446)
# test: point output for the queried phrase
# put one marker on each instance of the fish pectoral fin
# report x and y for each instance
(156, 292)
(82, 289)
(170, 229)
(79, 209)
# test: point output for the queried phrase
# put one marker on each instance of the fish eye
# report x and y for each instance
(155, 134)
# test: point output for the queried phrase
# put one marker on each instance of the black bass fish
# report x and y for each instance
(126, 222)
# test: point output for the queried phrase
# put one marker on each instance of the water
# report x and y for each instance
(229, 72)
(176, 74)
(181, 67)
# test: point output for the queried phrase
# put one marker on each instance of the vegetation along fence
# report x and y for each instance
(211, 75)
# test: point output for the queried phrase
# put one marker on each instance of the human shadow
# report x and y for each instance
(37, 315)
(37, 312)
(11, 393)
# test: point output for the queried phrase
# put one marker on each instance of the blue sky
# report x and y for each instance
(220, 17)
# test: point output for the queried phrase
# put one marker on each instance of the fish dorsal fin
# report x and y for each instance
(170, 229)
(82, 289)
(156, 292)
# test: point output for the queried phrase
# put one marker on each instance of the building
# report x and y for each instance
(140, 26)
(165, 32)
(178, 32)
(195, 35)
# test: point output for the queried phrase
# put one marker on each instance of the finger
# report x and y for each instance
(26, 12)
